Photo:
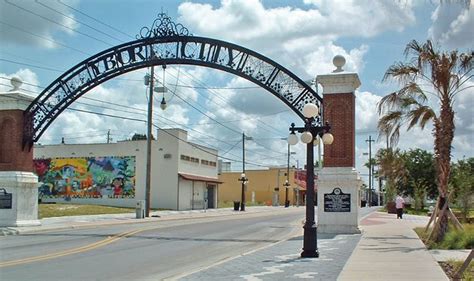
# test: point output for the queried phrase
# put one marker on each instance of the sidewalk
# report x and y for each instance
(387, 249)
(391, 250)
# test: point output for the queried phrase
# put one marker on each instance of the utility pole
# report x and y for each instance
(108, 136)
(287, 183)
(242, 202)
(148, 144)
(370, 140)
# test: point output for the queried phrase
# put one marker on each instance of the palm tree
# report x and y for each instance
(429, 74)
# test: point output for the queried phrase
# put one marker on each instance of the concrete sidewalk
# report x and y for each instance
(390, 250)
(387, 249)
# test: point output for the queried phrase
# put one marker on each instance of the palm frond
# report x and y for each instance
(423, 112)
(466, 61)
(428, 115)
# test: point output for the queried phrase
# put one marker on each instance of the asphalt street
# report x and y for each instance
(144, 251)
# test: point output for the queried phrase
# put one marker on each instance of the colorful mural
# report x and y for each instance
(92, 177)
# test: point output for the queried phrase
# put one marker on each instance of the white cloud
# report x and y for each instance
(18, 26)
(453, 25)
(250, 20)
(366, 111)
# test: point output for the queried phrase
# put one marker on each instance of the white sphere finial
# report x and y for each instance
(16, 83)
(338, 61)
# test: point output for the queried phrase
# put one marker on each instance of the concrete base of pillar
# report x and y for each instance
(24, 189)
(348, 182)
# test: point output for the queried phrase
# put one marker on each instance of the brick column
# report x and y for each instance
(16, 164)
(338, 176)
(339, 111)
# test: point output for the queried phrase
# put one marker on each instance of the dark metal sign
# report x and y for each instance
(164, 44)
(5, 199)
(337, 201)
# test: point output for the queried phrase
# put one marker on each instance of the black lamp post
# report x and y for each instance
(310, 131)
(244, 181)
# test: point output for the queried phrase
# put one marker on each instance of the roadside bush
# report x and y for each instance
(454, 239)
(459, 239)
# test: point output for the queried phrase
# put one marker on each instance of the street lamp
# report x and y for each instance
(244, 181)
(313, 127)
(287, 186)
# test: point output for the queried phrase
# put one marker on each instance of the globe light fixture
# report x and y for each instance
(328, 138)
(306, 137)
(292, 139)
(310, 110)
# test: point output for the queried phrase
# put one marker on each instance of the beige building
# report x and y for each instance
(264, 186)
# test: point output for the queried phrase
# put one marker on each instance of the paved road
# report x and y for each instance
(142, 251)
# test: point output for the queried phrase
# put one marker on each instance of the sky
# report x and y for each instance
(42, 39)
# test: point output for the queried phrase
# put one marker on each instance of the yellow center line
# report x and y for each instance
(81, 249)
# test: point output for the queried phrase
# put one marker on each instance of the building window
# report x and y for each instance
(190, 159)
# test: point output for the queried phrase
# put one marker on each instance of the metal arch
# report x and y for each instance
(149, 51)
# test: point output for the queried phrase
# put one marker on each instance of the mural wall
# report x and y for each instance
(91, 177)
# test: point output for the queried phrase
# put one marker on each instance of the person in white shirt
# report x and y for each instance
(399, 202)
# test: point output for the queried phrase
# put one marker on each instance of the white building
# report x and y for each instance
(183, 174)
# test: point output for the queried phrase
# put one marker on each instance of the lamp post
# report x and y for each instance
(149, 79)
(309, 132)
(244, 181)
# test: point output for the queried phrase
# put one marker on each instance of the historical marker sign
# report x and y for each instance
(5, 199)
(337, 201)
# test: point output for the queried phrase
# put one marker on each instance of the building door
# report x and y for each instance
(211, 196)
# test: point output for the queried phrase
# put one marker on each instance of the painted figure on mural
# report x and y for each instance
(117, 184)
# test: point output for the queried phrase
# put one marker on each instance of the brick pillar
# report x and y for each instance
(339, 111)
(12, 155)
(16, 164)
(338, 177)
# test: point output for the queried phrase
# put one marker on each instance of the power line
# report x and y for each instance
(83, 23)
(44, 38)
(94, 19)
(32, 65)
(55, 22)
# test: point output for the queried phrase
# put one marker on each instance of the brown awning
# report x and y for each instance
(198, 178)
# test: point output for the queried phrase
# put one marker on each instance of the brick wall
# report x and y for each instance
(339, 111)
(12, 156)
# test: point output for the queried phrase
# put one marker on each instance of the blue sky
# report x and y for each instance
(40, 39)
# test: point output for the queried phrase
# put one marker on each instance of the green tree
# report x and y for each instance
(420, 167)
(430, 81)
(462, 181)
(392, 169)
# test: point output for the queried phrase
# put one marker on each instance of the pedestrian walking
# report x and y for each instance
(399, 202)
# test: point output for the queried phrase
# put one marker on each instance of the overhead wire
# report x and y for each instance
(57, 23)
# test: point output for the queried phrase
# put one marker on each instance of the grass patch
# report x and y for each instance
(453, 240)
(62, 210)
(450, 267)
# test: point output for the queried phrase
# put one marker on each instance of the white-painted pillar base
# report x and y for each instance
(24, 189)
(348, 180)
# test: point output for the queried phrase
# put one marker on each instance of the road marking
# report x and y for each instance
(81, 249)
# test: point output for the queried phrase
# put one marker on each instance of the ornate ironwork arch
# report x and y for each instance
(166, 43)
